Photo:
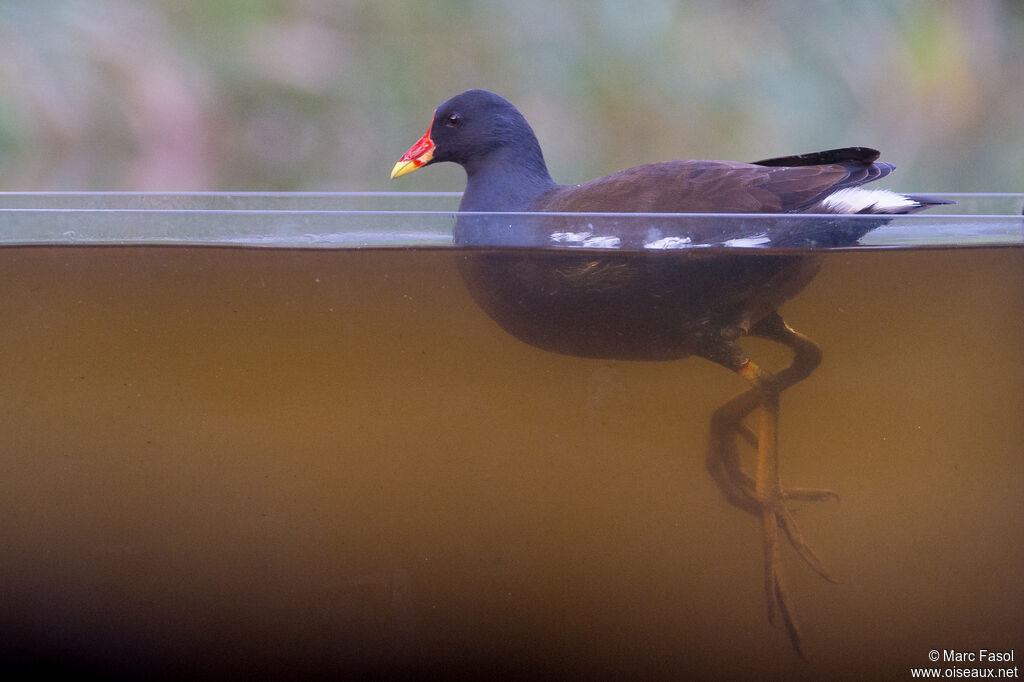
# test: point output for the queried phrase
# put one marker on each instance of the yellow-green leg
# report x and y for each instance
(763, 495)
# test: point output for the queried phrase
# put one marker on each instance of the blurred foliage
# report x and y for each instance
(326, 94)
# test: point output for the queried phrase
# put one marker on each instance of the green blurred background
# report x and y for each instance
(325, 95)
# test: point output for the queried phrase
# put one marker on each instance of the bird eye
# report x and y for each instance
(453, 120)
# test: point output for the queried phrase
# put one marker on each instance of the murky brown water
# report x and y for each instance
(238, 461)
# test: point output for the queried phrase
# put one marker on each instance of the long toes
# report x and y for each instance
(809, 494)
(778, 597)
(796, 539)
(781, 598)
(772, 569)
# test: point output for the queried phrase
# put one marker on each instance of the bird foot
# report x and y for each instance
(776, 515)
(739, 488)
(773, 508)
(785, 520)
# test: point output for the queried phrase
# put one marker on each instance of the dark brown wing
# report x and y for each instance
(782, 185)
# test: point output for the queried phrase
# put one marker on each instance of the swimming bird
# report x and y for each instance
(649, 294)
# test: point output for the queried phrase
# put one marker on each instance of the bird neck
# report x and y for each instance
(508, 179)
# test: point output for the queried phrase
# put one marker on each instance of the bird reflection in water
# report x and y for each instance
(640, 290)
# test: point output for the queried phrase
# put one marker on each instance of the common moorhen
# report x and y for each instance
(650, 300)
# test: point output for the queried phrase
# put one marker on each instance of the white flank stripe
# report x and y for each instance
(756, 240)
(602, 242)
(669, 243)
(570, 237)
(586, 240)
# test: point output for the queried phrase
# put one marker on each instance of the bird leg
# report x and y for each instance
(763, 495)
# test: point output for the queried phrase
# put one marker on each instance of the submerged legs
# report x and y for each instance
(763, 495)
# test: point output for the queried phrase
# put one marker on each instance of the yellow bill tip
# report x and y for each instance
(403, 167)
